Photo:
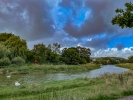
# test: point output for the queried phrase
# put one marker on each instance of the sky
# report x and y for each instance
(70, 23)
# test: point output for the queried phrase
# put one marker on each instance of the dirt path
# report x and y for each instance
(127, 98)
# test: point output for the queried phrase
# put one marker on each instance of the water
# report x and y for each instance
(42, 77)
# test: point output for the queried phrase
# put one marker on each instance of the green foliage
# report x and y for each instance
(17, 46)
(70, 56)
(130, 59)
(124, 17)
(55, 48)
(40, 52)
(5, 36)
(108, 60)
(52, 57)
(5, 61)
(13, 46)
(18, 61)
(78, 55)
(30, 56)
(126, 65)
(83, 61)
(45, 54)
(84, 53)
(4, 52)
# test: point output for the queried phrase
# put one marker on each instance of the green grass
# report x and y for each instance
(48, 68)
(107, 87)
(126, 65)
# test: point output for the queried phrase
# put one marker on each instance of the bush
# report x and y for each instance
(18, 61)
(5, 61)
(83, 61)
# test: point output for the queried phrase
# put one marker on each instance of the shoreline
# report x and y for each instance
(48, 68)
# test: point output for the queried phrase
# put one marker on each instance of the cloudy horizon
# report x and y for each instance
(70, 23)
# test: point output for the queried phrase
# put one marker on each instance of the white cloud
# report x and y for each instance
(113, 52)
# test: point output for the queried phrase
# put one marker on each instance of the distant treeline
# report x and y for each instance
(111, 60)
(108, 60)
(14, 50)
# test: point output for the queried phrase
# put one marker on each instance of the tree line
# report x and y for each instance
(14, 50)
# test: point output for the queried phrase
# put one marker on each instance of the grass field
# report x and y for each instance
(106, 87)
(126, 65)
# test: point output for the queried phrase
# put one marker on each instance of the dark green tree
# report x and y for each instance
(30, 56)
(70, 56)
(5, 36)
(17, 46)
(125, 17)
(4, 52)
(84, 53)
(53, 53)
(40, 52)
(52, 57)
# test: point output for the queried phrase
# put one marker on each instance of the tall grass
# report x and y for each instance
(126, 65)
(106, 87)
(49, 68)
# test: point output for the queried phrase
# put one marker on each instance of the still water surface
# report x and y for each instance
(42, 77)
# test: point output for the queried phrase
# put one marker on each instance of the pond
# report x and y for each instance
(42, 77)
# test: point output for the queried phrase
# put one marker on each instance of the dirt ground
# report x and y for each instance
(127, 98)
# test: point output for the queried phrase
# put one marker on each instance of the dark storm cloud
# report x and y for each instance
(74, 5)
(98, 22)
(98, 43)
(35, 20)
(29, 19)
(119, 46)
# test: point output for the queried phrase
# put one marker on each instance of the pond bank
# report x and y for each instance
(107, 87)
(33, 68)
(126, 65)
(42, 77)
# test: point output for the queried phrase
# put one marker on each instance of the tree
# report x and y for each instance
(4, 52)
(30, 56)
(70, 56)
(124, 17)
(52, 57)
(40, 51)
(17, 46)
(56, 48)
(5, 36)
(84, 53)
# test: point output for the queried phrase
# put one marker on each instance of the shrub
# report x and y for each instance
(83, 61)
(5, 61)
(18, 61)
